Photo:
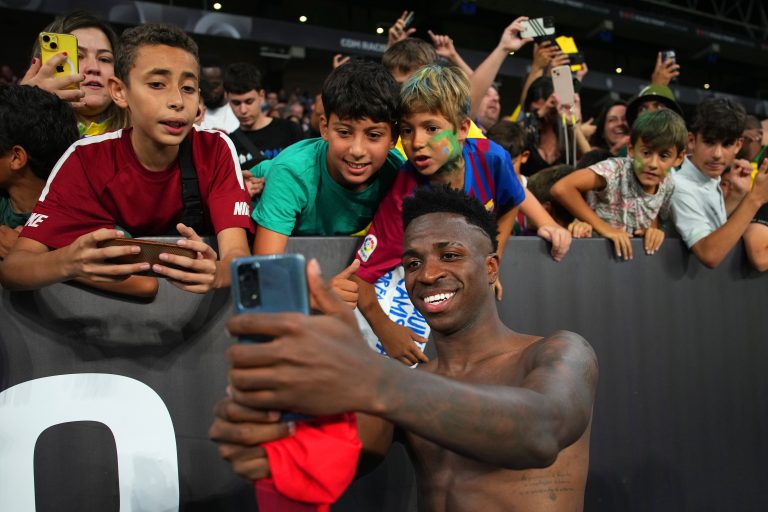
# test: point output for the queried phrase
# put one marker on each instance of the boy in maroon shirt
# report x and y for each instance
(129, 181)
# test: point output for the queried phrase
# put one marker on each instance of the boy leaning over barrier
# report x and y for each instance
(331, 186)
(627, 195)
(434, 127)
(130, 181)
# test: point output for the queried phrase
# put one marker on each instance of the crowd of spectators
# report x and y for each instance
(320, 163)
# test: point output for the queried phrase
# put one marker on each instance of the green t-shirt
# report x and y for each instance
(300, 198)
(8, 217)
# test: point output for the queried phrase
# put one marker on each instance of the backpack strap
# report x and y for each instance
(192, 212)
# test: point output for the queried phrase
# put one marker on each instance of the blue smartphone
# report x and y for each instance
(275, 283)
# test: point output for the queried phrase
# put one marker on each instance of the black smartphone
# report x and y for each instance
(270, 284)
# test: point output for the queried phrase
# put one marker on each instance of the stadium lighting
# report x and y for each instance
(303, 19)
(379, 30)
(619, 71)
(217, 6)
(706, 86)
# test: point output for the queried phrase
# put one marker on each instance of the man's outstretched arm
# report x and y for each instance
(320, 365)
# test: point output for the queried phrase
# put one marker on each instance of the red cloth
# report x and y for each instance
(311, 469)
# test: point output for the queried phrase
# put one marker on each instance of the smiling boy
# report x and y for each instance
(627, 195)
(129, 180)
(698, 208)
(434, 132)
(332, 185)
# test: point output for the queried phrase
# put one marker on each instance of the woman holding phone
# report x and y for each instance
(96, 46)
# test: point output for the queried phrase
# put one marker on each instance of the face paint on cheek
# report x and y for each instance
(447, 139)
(638, 164)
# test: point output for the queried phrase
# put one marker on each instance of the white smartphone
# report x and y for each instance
(562, 79)
(538, 28)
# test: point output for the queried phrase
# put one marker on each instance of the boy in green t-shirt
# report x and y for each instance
(331, 186)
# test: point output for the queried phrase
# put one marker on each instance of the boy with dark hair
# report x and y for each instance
(514, 138)
(497, 411)
(627, 195)
(698, 209)
(540, 185)
(35, 129)
(131, 180)
(259, 136)
(434, 128)
(332, 185)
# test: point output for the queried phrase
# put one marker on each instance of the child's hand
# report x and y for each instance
(252, 184)
(42, 76)
(200, 277)
(345, 287)
(498, 289)
(8, 237)
(560, 238)
(621, 242)
(652, 239)
(398, 32)
(84, 258)
(400, 343)
(580, 229)
(443, 45)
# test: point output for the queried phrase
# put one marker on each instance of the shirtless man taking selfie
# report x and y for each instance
(499, 421)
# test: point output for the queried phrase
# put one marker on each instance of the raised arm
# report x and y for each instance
(444, 47)
(320, 365)
(486, 72)
(756, 244)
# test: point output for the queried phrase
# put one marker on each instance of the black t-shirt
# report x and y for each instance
(268, 141)
(761, 217)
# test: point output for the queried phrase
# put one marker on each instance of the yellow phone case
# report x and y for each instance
(52, 44)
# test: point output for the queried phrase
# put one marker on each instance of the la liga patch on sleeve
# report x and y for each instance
(366, 249)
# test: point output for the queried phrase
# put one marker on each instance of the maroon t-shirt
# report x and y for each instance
(100, 183)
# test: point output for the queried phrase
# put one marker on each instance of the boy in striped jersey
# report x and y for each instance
(434, 126)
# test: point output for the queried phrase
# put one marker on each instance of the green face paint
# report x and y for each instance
(638, 164)
(452, 146)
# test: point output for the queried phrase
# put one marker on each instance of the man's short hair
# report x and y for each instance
(443, 199)
(146, 35)
(407, 55)
(719, 119)
(359, 90)
(437, 89)
(39, 122)
(510, 135)
(540, 185)
(660, 129)
(241, 77)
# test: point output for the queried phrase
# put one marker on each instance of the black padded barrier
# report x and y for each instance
(680, 421)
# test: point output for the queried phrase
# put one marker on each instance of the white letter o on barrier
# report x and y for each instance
(148, 472)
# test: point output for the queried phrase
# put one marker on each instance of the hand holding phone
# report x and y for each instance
(150, 253)
(540, 29)
(274, 283)
(55, 44)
